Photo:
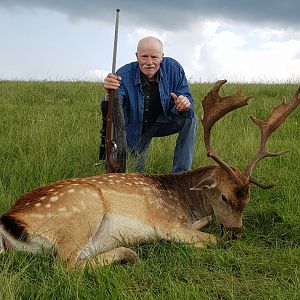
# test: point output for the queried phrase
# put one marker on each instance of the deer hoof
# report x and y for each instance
(128, 255)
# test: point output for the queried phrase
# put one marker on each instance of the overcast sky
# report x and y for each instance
(72, 40)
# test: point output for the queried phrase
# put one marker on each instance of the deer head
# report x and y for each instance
(234, 188)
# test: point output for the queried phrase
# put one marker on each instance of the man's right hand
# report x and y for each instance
(111, 82)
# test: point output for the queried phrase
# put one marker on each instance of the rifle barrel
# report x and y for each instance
(115, 42)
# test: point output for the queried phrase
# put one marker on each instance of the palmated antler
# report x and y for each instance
(215, 107)
(277, 117)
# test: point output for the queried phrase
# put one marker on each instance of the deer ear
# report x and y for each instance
(207, 183)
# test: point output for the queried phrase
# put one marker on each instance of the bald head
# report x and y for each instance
(150, 42)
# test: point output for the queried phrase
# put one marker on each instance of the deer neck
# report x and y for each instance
(196, 204)
(198, 201)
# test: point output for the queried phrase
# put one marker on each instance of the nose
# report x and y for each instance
(149, 62)
(232, 233)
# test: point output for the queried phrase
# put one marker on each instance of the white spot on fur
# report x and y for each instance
(48, 205)
(42, 198)
(128, 183)
(38, 204)
(71, 191)
(145, 188)
(51, 190)
(54, 199)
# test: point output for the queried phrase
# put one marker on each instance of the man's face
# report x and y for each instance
(149, 56)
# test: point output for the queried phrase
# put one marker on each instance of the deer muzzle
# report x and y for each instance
(232, 233)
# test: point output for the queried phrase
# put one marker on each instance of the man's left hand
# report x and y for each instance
(182, 103)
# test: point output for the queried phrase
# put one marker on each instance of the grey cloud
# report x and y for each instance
(172, 14)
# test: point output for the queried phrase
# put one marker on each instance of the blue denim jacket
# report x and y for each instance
(172, 79)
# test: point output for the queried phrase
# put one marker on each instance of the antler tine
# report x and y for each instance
(259, 184)
(215, 107)
(276, 118)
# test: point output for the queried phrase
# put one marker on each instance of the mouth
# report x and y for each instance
(233, 233)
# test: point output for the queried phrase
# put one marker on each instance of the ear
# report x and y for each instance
(207, 183)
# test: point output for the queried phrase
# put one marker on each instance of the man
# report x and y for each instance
(156, 102)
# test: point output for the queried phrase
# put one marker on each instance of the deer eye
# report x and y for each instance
(225, 199)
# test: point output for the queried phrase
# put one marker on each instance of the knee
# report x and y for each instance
(191, 123)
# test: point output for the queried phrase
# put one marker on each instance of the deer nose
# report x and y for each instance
(232, 233)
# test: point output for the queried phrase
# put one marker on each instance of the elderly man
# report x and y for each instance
(156, 102)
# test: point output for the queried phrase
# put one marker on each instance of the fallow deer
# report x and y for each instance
(91, 219)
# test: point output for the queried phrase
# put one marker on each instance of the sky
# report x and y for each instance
(241, 41)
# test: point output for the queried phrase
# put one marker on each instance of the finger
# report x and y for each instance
(113, 79)
(112, 82)
(113, 76)
(111, 85)
(183, 104)
(181, 99)
(174, 96)
(180, 102)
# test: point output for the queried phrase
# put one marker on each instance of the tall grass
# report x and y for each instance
(50, 131)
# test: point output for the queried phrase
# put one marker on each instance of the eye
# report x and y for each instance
(225, 199)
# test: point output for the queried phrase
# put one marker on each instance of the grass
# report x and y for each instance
(50, 131)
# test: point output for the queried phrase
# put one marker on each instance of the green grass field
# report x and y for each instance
(50, 131)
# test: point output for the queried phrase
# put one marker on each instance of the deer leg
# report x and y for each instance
(120, 254)
(190, 236)
(201, 223)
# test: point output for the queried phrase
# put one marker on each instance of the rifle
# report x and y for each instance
(112, 166)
